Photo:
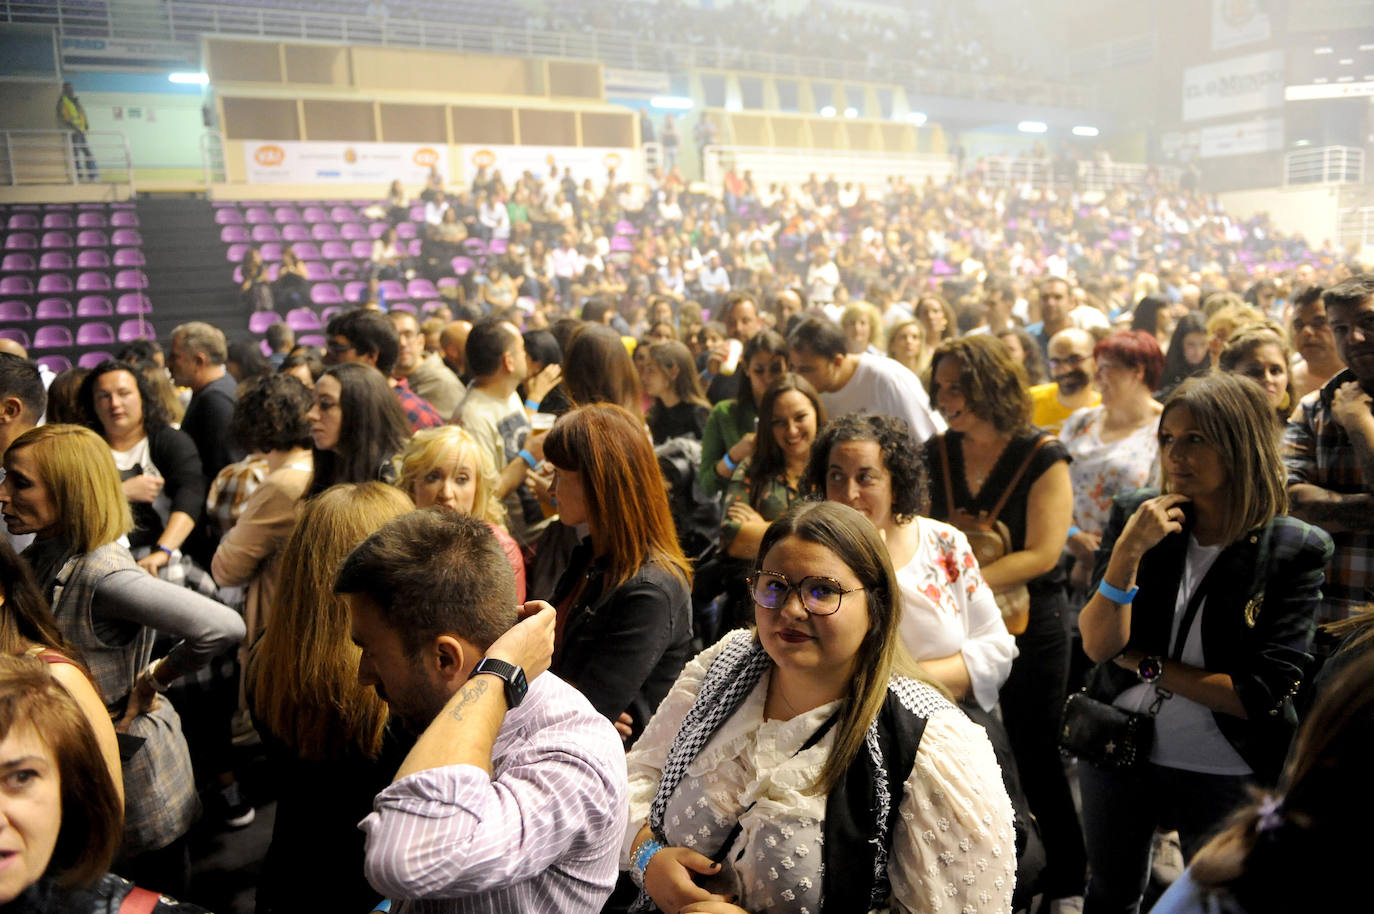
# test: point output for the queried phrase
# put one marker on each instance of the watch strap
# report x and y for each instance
(511, 675)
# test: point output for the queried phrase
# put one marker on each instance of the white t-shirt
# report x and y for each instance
(499, 425)
(140, 458)
(1186, 734)
(880, 385)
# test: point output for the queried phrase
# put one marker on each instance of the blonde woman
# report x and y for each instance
(445, 466)
(907, 344)
(863, 329)
(325, 734)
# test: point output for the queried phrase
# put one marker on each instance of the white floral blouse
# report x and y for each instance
(953, 850)
(1101, 471)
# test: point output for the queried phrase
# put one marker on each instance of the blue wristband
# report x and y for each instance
(1116, 594)
(729, 464)
(1072, 531)
(529, 458)
(532, 405)
(383, 906)
(639, 860)
(166, 550)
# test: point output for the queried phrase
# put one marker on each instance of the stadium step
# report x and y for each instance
(188, 277)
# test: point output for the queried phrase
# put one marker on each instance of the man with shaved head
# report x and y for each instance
(1071, 379)
(453, 340)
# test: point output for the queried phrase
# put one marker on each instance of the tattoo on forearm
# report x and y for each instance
(471, 692)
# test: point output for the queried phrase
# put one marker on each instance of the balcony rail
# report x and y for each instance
(179, 21)
(58, 157)
(1357, 227)
(1041, 173)
(1324, 165)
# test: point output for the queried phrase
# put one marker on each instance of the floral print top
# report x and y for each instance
(1102, 470)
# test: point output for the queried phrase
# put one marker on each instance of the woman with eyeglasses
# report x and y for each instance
(357, 427)
(806, 761)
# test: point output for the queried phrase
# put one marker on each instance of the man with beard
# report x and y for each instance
(514, 797)
(1329, 451)
(1071, 385)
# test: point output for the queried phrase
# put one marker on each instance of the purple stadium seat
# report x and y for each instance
(315, 271)
(15, 311)
(421, 288)
(14, 333)
(266, 233)
(315, 214)
(450, 282)
(126, 238)
(286, 214)
(307, 250)
(129, 257)
(343, 214)
(94, 306)
(415, 245)
(49, 283)
(234, 253)
(53, 309)
(334, 250)
(405, 306)
(361, 250)
(20, 263)
(133, 303)
(354, 231)
(294, 231)
(57, 240)
(91, 259)
(622, 244)
(624, 227)
(272, 270)
(227, 215)
(406, 231)
(392, 289)
(57, 221)
(19, 221)
(259, 321)
(312, 339)
(475, 247)
(325, 293)
(497, 246)
(54, 337)
(271, 251)
(94, 334)
(129, 280)
(354, 291)
(417, 212)
(344, 270)
(324, 231)
(461, 265)
(55, 363)
(16, 285)
(92, 238)
(91, 282)
(88, 220)
(20, 241)
(125, 218)
(430, 307)
(378, 229)
(299, 319)
(327, 314)
(265, 349)
(136, 329)
(92, 359)
(257, 215)
(234, 234)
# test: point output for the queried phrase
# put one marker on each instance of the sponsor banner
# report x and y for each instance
(646, 81)
(339, 163)
(1238, 22)
(1243, 138)
(1328, 90)
(1250, 83)
(126, 50)
(585, 161)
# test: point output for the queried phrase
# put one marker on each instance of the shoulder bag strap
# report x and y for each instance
(139, 901)
(949, 482)
(1021, 471)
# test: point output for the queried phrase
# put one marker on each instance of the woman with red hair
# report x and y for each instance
(1113, 446)
(624, 602)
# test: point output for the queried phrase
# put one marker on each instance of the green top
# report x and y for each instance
(775, 498)
(725, 426)
(518, 212)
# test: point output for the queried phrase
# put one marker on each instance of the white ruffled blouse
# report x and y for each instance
(954, 848)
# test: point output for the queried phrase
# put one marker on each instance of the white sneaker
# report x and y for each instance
(1166, 858)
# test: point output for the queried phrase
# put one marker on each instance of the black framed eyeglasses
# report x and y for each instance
(819, 596)
(1074, 360)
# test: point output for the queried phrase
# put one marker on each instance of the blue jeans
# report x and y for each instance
(1122, 809)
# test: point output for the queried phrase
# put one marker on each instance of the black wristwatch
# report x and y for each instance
(1149, 669)
(511, 675)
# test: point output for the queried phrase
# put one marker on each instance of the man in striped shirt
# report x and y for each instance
(512, 800)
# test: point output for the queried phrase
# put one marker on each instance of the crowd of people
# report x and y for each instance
(769, 562)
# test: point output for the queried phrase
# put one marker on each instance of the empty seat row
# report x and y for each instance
(89, 259)
(54, 309)
(124, 280)
(89, 238)
(322, 231)
(92, 333)
(61, 220)
(259, 215)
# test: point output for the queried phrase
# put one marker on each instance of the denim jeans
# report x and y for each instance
(1122, 809)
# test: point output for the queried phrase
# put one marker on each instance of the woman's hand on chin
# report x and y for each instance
(1152, 521)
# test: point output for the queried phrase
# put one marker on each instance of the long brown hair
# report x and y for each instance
(599, 369)
(304, 671)
(25, 619)
(627, 499)
(77, 467)
(768, 458)
(993, 383)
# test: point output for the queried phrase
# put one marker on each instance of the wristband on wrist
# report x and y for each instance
(529, 458)
(532, 405)
(165, 549)
(1116, 594)
(729, 464)
(1073, 531)
(639, 859)
(158, 685)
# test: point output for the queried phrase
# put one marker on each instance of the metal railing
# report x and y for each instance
(60, 157)
(1357, 227)
(1324, 165)
(187, 21)
(794, 167)
(1008, 171)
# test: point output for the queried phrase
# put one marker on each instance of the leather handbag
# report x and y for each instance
(1109, 737)
(990, 538)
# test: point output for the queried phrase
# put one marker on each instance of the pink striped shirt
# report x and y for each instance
(542, 834)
